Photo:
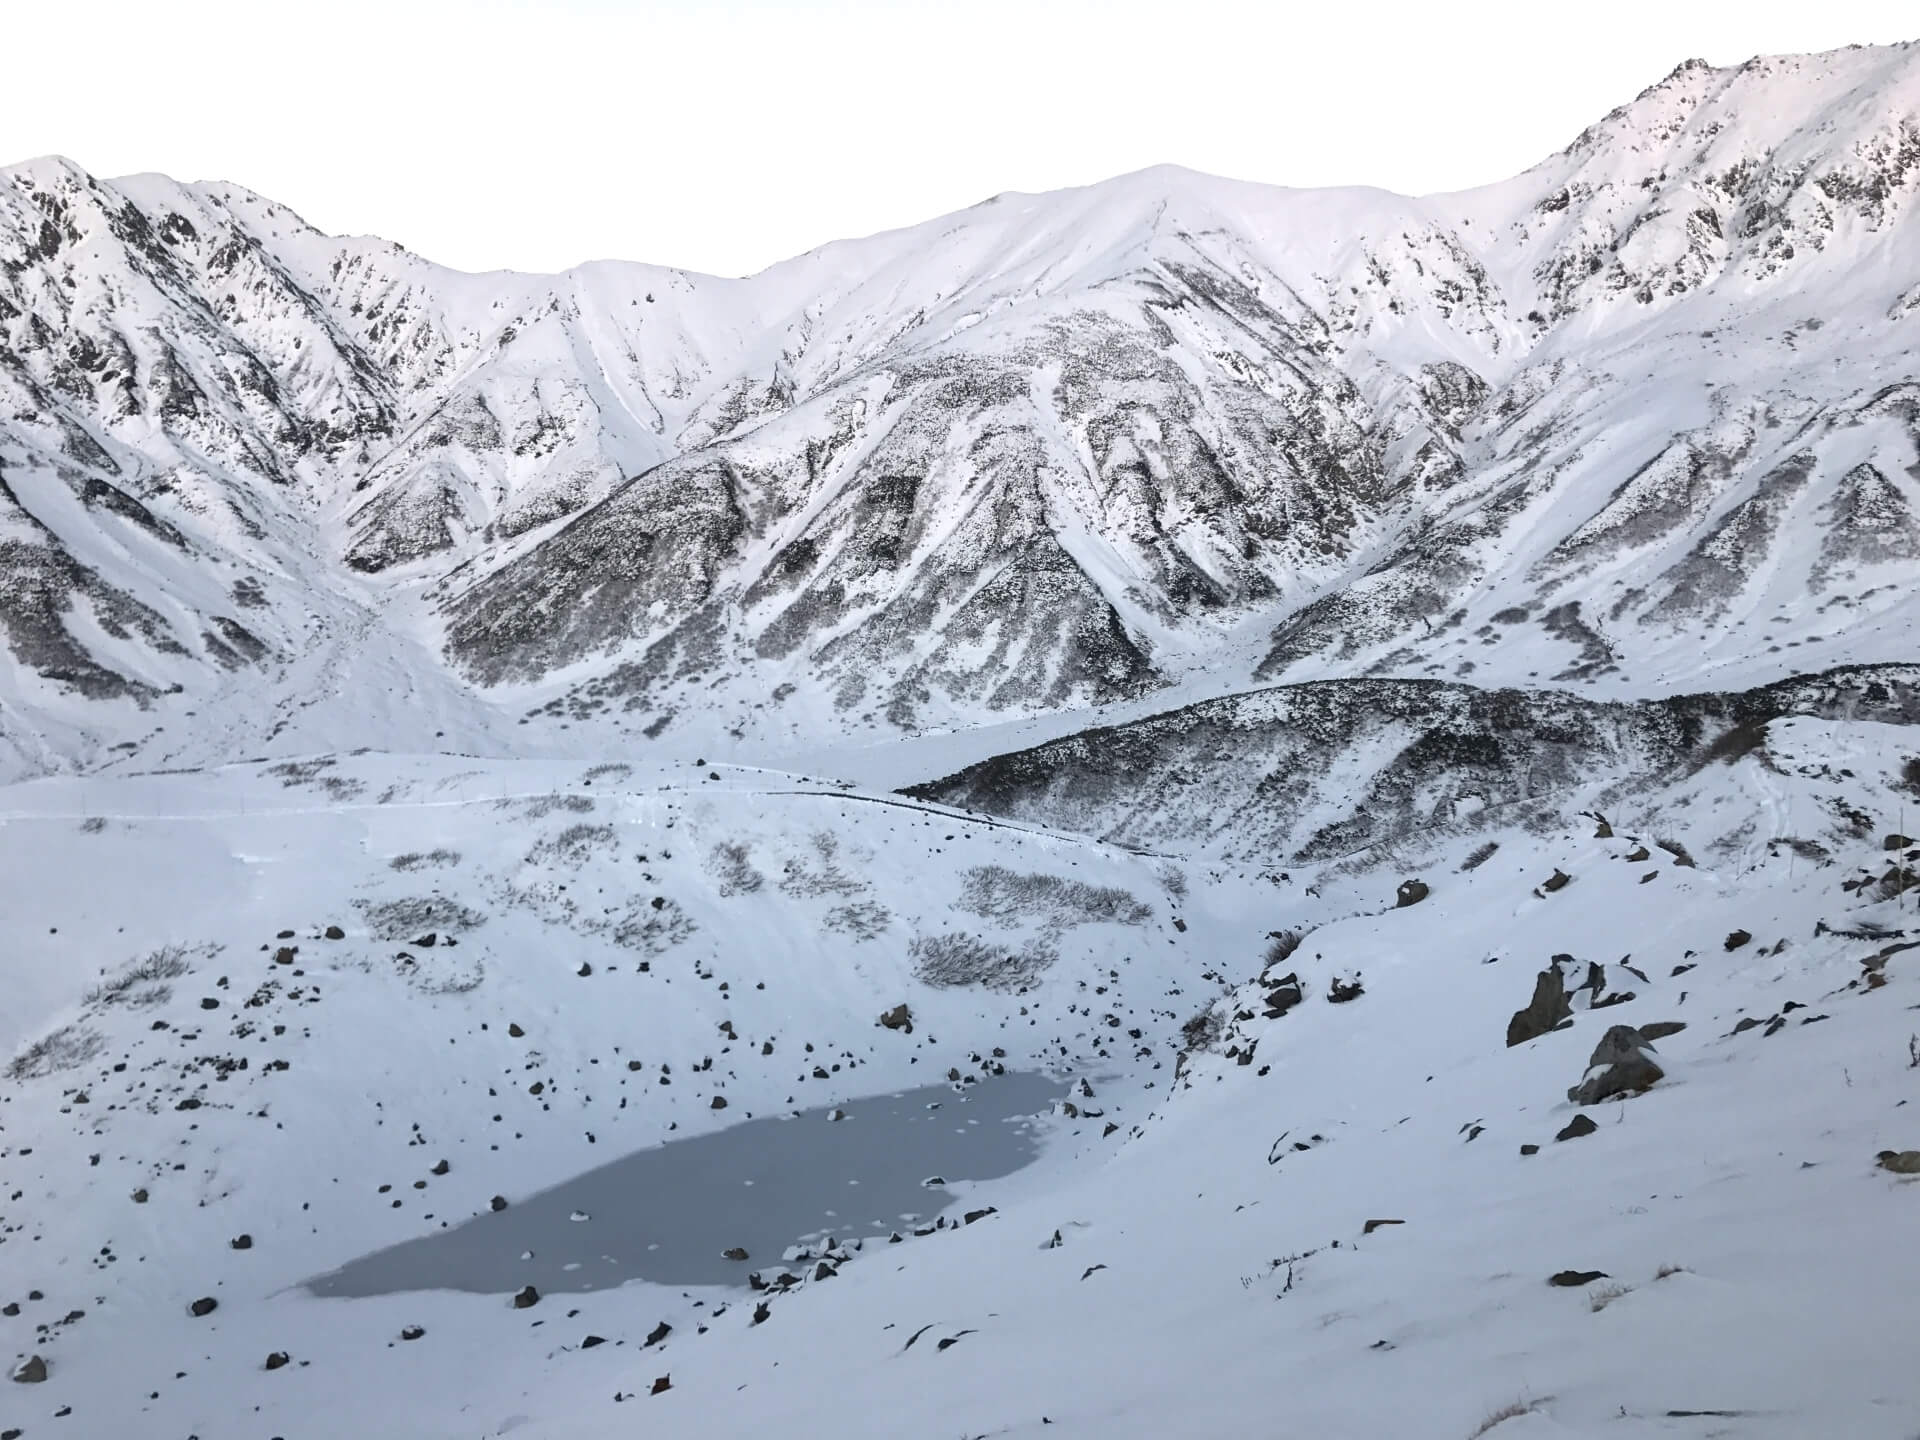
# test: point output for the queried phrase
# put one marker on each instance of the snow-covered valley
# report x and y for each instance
(1311, 794)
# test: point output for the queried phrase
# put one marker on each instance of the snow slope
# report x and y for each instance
(1212, 1267)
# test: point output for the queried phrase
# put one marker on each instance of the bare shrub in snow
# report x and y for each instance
(573, 846)
(1605, 1295)
(1807, 849)
(1204, 1029)
(424, 860)
(957, 959)
(1481, 854)
(606, 772)
(93, 824)
(862, 919)
(1675, 849)
(436, 973)
(1666, 1270)
(145, 981)
(1175, 881)
(823, 874)
(313, 772)
(993, 892)
(63, 1049)
(541, 806)
(1739, 741)
(732, 870)
(653, 930)
(1280, 945)
(1513, 1410)
(403, 919)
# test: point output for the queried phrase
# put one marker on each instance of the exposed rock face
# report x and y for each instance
(1548, 1007)
(1619, 1066)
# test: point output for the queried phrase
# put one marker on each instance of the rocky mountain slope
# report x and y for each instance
(1612, 422)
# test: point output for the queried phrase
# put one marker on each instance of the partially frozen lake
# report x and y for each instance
(667, 1214)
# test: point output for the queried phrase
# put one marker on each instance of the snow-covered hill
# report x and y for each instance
(1314, 685)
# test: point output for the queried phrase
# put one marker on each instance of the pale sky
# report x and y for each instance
(728, 135)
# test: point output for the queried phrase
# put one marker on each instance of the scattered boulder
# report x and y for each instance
(240, 1242)
(499, 1202)
(1575, 1128)
(664, 1382)
(440, 1168)
(1373, 1225)
(140, 1196)
(1283, 995)
(514, 1030)
(1639, 853)
(659, 1333)
(1603, 831)
(1896, 841)
(1529, 1149)
(973, 1215)
(334, 932)
(1548, 1008)
(1570, 1279)
(526, 1299)
(1341, 991)
(1411, 892)
(735, 1253)
(761, 1311)
(284, 955)
(719, 1103)
(1619, 1065)
(1738, 938)
(203, 1307)
(898, 1018)
(1660, 1029)
(1559, 880)
(30, 1371)
(412, 1332)
(277, 1359)
(593, 1340)
(1900, 1162)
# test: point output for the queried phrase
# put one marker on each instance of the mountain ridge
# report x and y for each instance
(1050, 452)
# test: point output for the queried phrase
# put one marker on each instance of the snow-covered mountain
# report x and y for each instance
(1052, 452)
(1308, 679)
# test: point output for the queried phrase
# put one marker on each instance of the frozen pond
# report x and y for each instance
(667, 1214)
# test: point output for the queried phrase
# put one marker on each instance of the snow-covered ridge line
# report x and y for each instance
(1648, 406)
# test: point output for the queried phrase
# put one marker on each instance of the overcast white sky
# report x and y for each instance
(727, 135)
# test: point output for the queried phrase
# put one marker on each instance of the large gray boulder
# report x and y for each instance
(1620, 1064)
(1547, 1009)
